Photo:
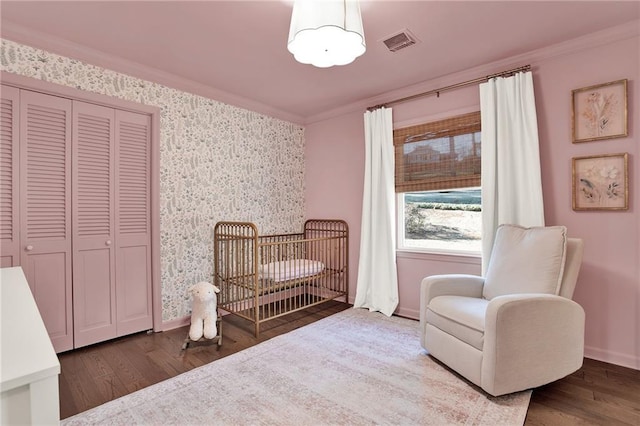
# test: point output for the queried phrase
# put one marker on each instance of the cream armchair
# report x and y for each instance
(516, 328)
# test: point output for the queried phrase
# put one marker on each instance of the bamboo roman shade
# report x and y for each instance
(440, 155)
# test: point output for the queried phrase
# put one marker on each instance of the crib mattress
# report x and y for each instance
(286, 270)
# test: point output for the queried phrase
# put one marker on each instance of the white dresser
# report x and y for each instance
(29, 367)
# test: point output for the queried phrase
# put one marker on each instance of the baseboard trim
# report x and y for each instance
(616, 358)
(186, 320)
(175, 323)
(408, 313)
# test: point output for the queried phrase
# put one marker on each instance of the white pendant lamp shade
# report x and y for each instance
(325, 33)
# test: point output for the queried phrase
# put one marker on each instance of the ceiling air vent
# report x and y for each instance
(400, 40)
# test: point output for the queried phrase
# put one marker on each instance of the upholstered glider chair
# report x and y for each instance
(516, 328)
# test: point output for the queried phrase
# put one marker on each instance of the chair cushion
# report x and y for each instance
(459, 316)
(526, 260)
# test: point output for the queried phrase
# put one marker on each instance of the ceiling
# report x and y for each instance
(238, 49)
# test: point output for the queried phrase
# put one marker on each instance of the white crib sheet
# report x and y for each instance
(285, 270)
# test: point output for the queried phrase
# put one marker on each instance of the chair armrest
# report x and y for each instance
(450, 285)
(447, 285)
(530, 340)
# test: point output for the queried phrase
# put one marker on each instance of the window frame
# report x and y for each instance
(400, 239)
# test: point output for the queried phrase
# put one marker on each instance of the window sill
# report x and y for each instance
(441, 255)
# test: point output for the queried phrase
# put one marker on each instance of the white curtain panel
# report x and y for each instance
(511, 179)
(377, 287)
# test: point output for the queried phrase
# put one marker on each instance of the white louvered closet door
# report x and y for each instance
(9, 225)
(133, 222)
(45, 210)
(94, 287)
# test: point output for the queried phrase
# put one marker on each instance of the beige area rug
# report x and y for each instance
(355, 367)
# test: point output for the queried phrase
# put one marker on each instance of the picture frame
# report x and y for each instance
(600, 182)
(599, 112)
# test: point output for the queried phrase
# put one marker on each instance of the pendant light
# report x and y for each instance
(325, 33)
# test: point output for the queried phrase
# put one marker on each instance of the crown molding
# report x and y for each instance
(20, 34)
(534, 57)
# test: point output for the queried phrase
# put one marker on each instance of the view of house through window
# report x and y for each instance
(441, 220)
(438, 185)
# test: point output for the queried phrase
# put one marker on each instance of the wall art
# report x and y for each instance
(600, 112)
(600, 182)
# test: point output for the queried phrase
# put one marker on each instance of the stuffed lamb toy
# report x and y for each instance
(204, 311)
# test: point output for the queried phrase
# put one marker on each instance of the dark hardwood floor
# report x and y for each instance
(597, 394)
(99, 373)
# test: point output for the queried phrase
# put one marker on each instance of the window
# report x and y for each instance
(438, 185)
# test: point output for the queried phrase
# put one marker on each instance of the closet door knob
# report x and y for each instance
(28, 248)
(108, 242)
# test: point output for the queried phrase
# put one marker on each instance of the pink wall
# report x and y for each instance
(609, 283)
(609, 286)
(334, 181)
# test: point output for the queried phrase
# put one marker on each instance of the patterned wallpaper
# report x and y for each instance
(217, 162)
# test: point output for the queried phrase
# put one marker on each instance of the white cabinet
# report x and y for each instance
(29, 367)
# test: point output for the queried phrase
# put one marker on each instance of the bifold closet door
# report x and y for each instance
(111, 192)
(133, 222)
(9, 192)
(94, 289)
(75, 211)
(45, 210)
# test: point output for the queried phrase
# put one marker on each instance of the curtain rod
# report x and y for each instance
(453, 86)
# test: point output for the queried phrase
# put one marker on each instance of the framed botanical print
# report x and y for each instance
(600, 112)
(600, 182)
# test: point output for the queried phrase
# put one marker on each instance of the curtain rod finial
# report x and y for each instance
(375, 107)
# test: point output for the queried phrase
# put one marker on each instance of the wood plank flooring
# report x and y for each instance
(99, 373)
(597, 394)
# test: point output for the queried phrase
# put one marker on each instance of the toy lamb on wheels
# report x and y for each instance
(204, 314)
